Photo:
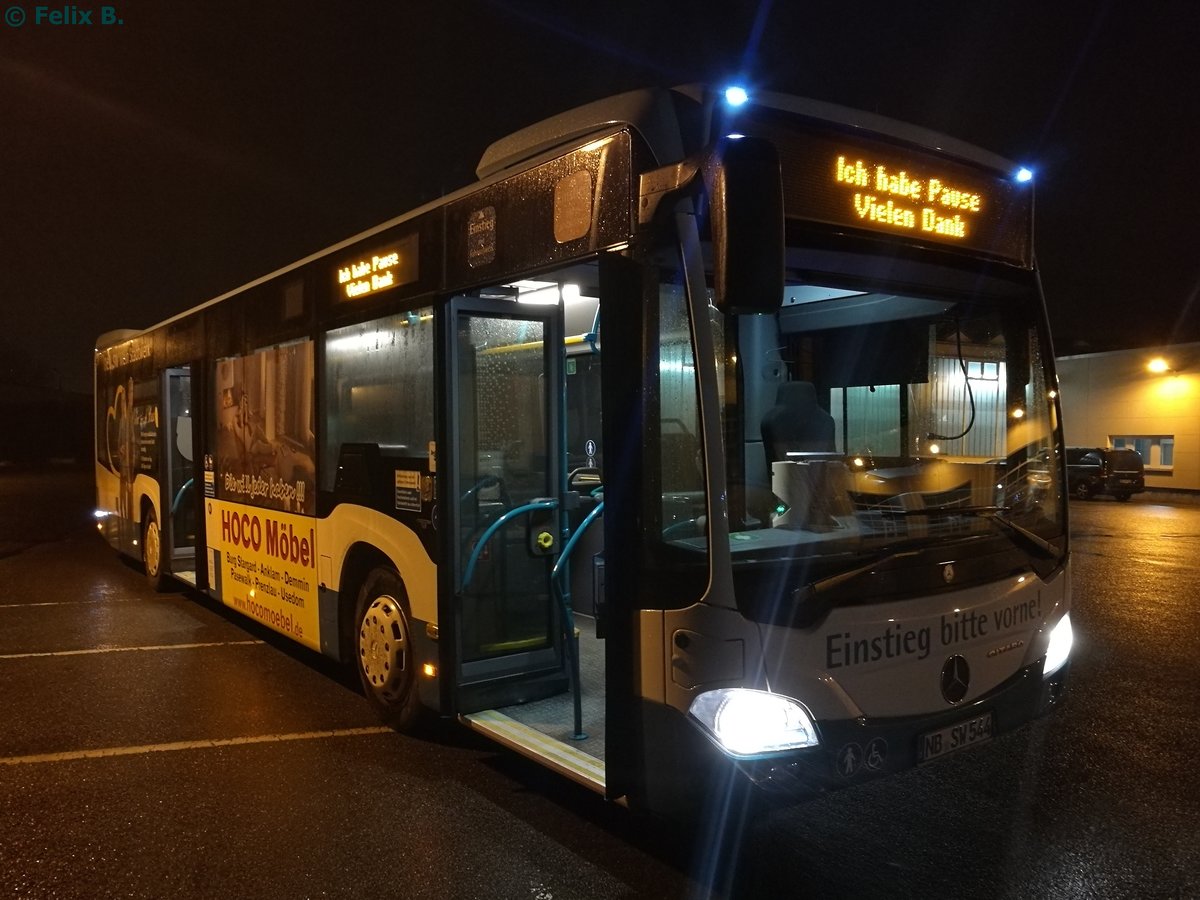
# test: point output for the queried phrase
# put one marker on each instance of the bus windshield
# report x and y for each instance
(872, 421)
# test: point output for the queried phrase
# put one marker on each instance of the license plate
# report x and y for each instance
(955, 737)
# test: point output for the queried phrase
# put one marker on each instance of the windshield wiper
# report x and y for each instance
(811, 602)
(996, 514)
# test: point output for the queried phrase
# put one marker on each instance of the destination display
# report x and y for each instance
(369, 273)
(870, 184)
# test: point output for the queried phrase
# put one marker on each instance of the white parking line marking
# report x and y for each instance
(67, 602)
(151, 647)
(103, 752)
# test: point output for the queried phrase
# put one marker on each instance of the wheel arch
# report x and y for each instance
(147, 507)
(353, 539)
(361, 559)
(146, 491)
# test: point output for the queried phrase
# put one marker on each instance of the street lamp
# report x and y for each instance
(1159, 366)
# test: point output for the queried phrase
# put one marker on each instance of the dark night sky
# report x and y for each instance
(147, 167)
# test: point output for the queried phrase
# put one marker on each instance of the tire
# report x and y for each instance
(152, 555)
(1083, 490)
(383, 650)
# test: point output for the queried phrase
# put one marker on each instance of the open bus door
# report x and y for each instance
(504, 385)
(180, 509)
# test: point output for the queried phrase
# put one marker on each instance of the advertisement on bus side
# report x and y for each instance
(128, 441)
(263, 563)
(265, 437)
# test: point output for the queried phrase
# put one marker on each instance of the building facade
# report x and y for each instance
(1148, 400)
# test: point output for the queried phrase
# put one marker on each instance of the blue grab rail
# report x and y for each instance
(560, 590)
(564, 600)
(469, 570)
(179, 495)
(560, 564)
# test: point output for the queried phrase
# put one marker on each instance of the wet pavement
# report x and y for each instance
(155, 745)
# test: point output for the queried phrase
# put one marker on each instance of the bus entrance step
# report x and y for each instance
(562, 758)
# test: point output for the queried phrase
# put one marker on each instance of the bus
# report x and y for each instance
(707, 439)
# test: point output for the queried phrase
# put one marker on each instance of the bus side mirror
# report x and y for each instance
(745, 198)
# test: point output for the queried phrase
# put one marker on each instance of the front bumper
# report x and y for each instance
(856, 750)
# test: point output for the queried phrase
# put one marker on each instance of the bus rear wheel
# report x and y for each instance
(152, 551)
(384, 650)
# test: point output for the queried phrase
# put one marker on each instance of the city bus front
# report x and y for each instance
(859, 514)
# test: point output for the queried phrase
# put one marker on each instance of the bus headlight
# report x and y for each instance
(1061, 639)
(748, 723)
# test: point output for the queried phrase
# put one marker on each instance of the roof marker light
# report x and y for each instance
(1023, 175)
(736, 96)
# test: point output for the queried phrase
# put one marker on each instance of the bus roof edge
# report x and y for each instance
(649, 111)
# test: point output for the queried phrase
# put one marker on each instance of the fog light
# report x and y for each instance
(747, 723)
(1059, 650)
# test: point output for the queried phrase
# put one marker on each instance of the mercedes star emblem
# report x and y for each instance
(956, 677)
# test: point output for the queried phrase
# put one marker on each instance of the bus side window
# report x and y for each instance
(378, 386)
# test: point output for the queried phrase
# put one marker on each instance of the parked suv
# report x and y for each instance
(1095, 470)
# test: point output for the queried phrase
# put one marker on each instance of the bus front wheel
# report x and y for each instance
(384, 650)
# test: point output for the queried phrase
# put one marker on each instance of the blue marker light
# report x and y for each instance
(1024, 175)
(736, 96)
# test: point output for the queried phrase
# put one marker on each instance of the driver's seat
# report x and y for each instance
(797, 423)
